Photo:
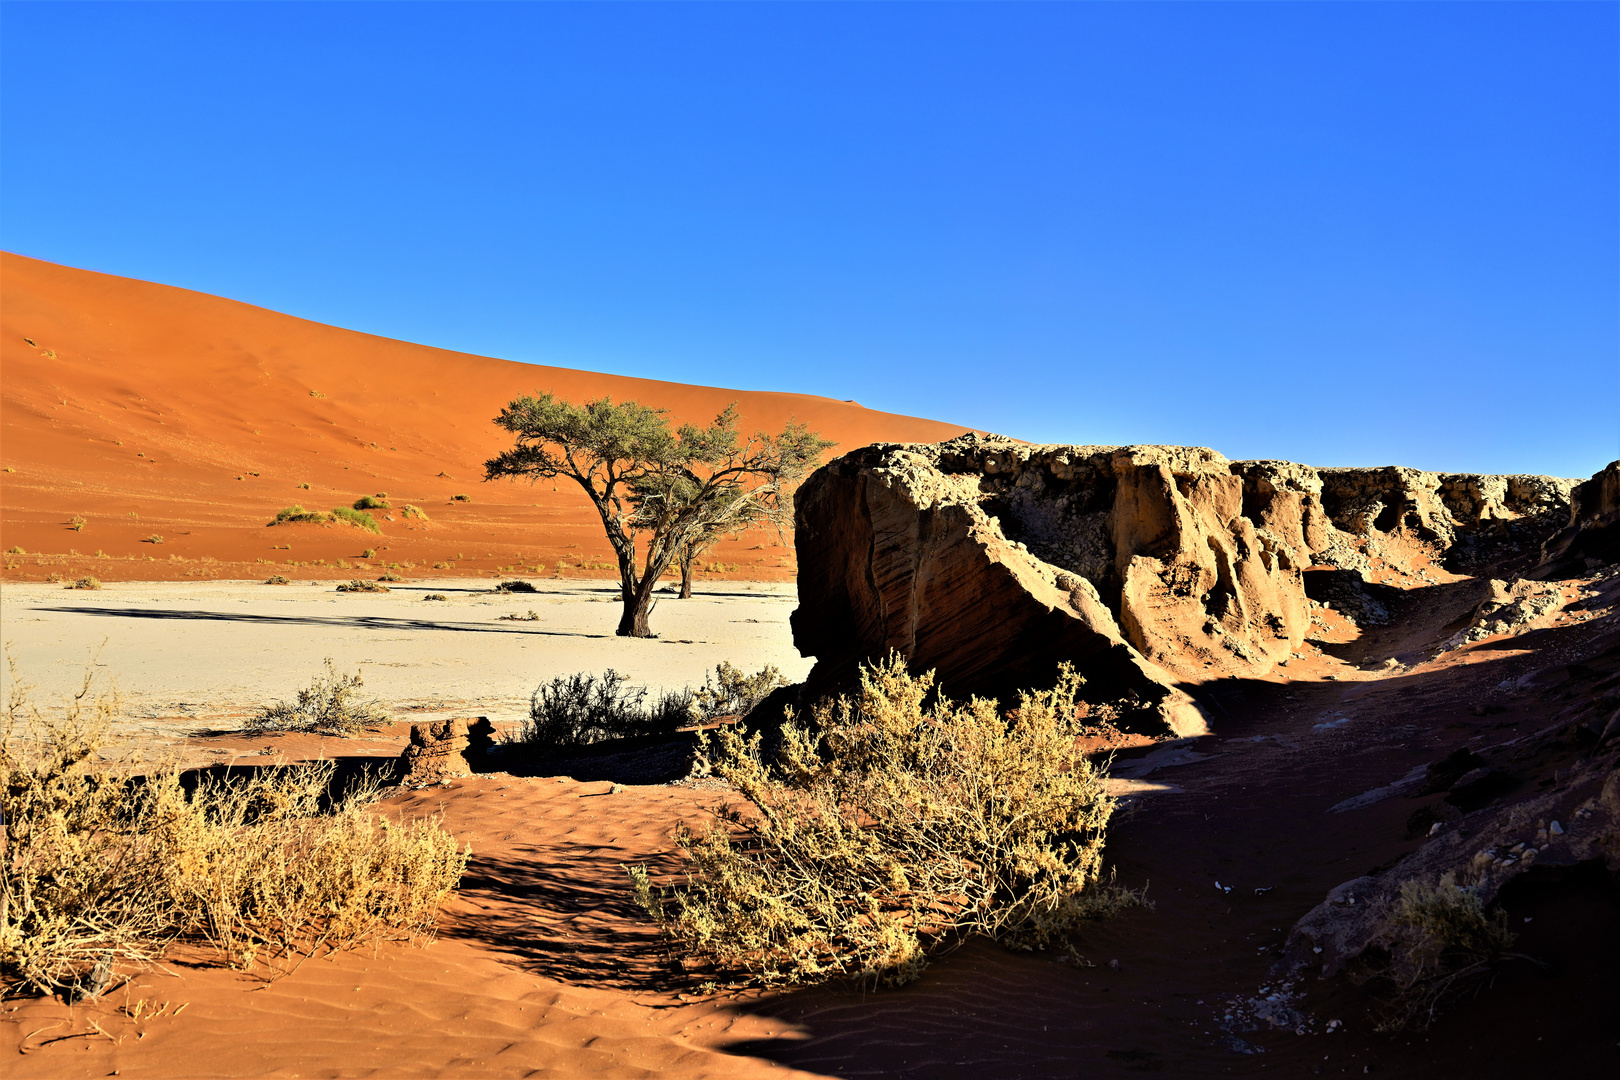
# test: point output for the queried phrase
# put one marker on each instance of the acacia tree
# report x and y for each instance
(646, 479)
(724, 512)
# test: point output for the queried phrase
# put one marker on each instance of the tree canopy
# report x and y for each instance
(672, 486)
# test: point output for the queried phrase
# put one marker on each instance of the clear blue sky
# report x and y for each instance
(1338, 233)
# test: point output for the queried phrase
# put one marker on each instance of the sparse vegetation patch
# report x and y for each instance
(358, 518)
(358, 585)
(295, 513)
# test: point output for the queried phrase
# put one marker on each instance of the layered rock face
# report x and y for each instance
(1593, 536)
(990, 561)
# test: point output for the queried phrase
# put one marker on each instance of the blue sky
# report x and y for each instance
(1337, 233)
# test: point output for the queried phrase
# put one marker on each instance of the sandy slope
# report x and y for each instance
(150, 410)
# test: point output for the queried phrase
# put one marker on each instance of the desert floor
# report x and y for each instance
(193, 657)
(543, 967)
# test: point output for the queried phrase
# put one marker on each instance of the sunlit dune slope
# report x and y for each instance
(150, 411)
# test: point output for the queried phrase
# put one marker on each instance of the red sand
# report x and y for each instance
(149, 411)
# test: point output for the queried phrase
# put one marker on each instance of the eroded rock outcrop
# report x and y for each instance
(443, 749)
(990, 561)
(1592, 537)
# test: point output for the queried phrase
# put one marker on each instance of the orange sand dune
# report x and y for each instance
(151, 411)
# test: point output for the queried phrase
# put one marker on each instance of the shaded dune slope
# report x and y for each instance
(150, 410)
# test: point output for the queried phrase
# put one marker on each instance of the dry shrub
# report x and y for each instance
(357, 585)
(574, 711)
(269, 869)
(412, 511)
(328, 706)
(81, 885)
(276, 579)
(895, 832)
(88, 582)
(732, 692)
(102, 867)
(515, 587)
(435, 596)
(372, 502)
(1443, 946)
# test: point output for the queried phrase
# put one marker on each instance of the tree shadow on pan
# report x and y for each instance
(345, 622)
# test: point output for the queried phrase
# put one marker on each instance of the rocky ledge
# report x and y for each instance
(1151, 568)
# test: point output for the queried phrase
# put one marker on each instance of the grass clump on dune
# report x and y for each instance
(358, 518)
(372, 502)
(331, 705)
(292, 514)
(106, 869)
(890, 831)
(412, 511)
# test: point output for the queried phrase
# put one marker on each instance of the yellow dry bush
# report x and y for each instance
(893, 830)
(104, 867)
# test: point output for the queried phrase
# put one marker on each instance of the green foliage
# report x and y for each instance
(329, 706)
(15, 550)
(372, 502)
(896, 831)
(1443, 943)
(574, 711)
(647, 480)
(369, 553)
(295, 513)
(358, 518)
(411, 511)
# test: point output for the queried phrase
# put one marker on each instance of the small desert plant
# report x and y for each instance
(153, 539)
(573, 711)
(461, 498)
(435, 596)
(295, 513)
(358, 585)
(372, 502)
(276, 579)
(411, 511)
(891, 834)
(86, 582)
(358, 518)
(1442, 944)
(328, 706)
(515, 587)
(731, 692)
(369, 553)
(77, 523)
(388, 577)
(532, 616)
(14, 550)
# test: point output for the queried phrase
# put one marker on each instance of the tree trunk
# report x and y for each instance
(634, 621)
(686, 574)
